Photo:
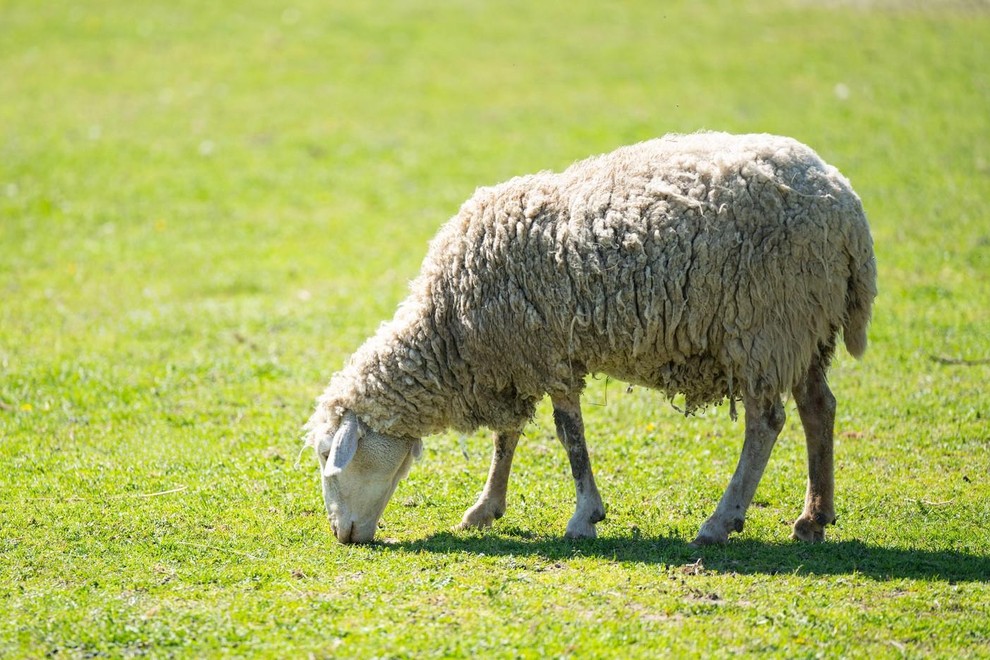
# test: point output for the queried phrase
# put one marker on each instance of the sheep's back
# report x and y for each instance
(706, 265)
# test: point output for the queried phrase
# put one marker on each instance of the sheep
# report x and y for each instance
(717, 266)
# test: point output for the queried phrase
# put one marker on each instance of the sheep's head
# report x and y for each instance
(361, 469)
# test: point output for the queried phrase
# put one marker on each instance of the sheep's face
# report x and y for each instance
(361, 469)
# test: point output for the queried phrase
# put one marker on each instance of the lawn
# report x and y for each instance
(206, 206)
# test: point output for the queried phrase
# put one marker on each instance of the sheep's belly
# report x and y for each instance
(701, 379)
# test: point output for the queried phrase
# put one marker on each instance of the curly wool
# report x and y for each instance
(710, 264)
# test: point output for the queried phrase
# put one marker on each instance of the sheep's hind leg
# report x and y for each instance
(816, 406)
(763, 425)
(570, 431)
(491, 504)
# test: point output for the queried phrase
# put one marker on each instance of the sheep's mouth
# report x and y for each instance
(350, 533)
(343, 532)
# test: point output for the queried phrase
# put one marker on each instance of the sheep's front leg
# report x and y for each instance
(816, 406)
(491, 504)
(763, 425)
(570, 430)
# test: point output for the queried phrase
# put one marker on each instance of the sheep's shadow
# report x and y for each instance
(738, 556)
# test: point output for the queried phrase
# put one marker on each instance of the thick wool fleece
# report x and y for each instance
(709, 264)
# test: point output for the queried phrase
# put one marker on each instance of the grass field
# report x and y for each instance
(206, 206)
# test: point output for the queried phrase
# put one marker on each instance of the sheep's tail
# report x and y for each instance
(861, 291)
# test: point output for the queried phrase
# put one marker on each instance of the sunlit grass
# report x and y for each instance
(205, 207)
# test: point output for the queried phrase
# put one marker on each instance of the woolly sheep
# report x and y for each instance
(712, 265)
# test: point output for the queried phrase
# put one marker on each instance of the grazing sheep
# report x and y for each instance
(712, 265)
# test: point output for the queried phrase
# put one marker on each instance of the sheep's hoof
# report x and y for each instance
(716, 532)
(462, 526)
(580, 527)
(811, 529)
(480, 516)
(702, 540)
(588, 532)
(582, 523)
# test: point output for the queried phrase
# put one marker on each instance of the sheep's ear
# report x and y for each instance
(417, 449)
(344, 445)
(323, 446)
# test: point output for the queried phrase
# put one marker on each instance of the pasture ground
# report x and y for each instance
(206, 206)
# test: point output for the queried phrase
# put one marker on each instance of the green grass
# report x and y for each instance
(206, 206)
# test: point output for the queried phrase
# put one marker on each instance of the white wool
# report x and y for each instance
(706, 264)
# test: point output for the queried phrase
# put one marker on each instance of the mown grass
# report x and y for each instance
(204, 207)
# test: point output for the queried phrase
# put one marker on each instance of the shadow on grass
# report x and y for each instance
(738, 556)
